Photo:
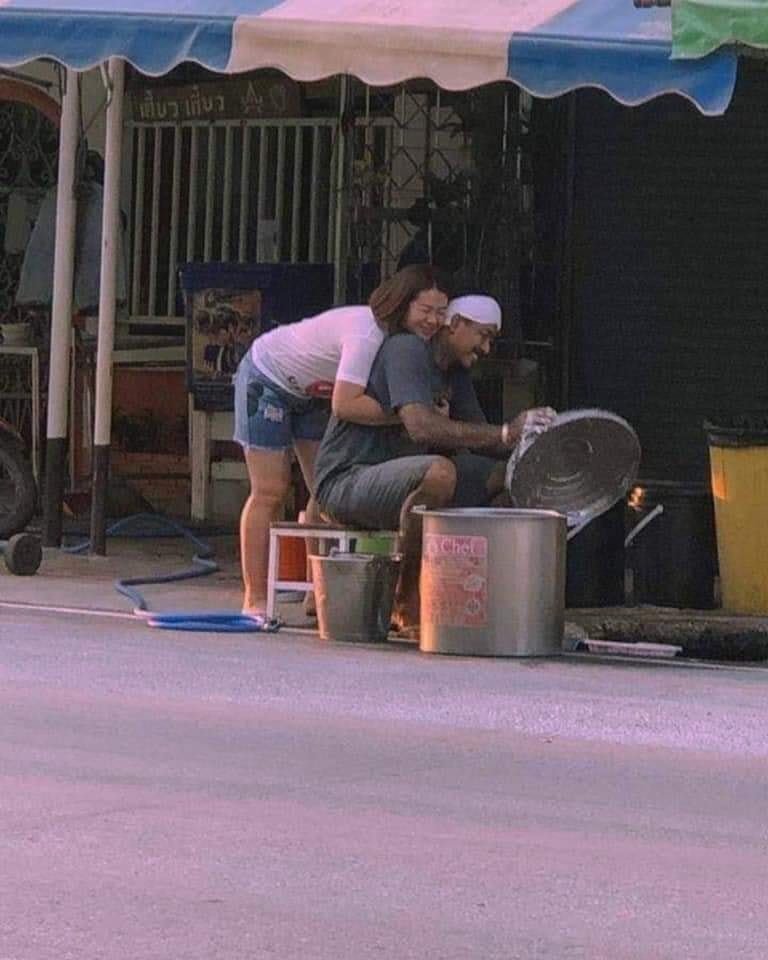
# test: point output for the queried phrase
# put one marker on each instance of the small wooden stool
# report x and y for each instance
(345, 538)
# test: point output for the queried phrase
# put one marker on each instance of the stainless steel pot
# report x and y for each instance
(493, 582)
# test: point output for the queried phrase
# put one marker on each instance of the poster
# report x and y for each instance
(222, 325)
(454, 581)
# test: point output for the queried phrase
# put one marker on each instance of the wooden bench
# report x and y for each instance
(345, 538)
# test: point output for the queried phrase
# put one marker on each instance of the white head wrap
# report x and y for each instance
(477, 307)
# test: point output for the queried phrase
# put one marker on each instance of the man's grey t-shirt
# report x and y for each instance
(403, 372)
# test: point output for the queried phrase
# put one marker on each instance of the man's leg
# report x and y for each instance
(497, 493)
(435, 490)
(479, 480)
(383, 496)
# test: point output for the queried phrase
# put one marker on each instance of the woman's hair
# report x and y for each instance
(391, 299)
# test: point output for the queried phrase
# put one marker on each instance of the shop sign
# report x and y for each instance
(233, 98)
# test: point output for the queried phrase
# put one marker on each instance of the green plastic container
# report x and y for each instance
(377, 546)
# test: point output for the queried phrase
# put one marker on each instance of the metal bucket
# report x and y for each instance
(354, 594)
(493, 582)
(672, 550)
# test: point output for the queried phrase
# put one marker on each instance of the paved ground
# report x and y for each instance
(190, 796)
(85, 582)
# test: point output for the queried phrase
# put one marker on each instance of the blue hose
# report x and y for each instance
(203, 565)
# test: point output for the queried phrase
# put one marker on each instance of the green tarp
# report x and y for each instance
(701, 26)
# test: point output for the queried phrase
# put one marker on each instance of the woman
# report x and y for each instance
(282, 388)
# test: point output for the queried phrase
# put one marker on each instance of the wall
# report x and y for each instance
(670, 287)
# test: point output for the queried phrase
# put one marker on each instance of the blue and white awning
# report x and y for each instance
(546, 46)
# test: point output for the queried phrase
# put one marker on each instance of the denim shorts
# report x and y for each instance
(269, 418)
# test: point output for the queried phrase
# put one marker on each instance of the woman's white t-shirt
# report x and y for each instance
(306, 358)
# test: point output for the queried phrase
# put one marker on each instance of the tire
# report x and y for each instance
(18, 494)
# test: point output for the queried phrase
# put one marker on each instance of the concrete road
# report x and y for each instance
(190, 796)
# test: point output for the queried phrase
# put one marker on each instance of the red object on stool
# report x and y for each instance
(293, 559)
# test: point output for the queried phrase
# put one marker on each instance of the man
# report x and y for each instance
(439, 450)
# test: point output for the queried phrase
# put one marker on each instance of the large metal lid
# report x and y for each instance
(581, 466)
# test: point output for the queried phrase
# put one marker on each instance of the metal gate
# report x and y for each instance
(29, 144)
(393, 174)
(247, 191)
(408, 144)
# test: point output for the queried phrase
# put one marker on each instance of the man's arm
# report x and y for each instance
(426, 426)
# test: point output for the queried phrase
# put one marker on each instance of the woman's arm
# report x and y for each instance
(349, 401)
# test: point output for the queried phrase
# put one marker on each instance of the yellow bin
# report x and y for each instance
(738, 453)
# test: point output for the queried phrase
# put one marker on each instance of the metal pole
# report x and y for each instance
(298, 158)
(61, 314)
(245, 194)
(340, 272)
(566, 292)
(110, 246)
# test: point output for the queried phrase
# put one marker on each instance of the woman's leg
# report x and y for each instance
(306, 454)
(270, 476)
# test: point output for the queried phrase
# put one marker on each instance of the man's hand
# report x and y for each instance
(533, 421)
(426, 426)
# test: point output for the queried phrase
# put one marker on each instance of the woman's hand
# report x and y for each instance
(349, 401)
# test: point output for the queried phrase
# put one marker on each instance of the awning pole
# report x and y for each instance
(342, 185)
(61, 313)
(566, 298)
(110, 247)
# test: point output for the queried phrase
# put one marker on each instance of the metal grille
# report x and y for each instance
(408, 143)
(398, 180)
(253, 191)
(28, 157)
